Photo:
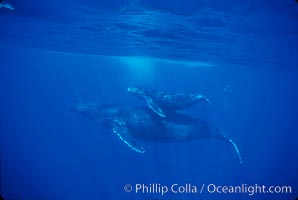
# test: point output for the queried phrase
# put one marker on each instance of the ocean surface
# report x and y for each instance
(241, 55)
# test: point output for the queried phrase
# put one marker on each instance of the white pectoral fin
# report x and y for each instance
(230, 141)
(236, 149)
(120, 129)
(153, 106)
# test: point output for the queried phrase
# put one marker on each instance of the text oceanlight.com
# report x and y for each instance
(188, 188)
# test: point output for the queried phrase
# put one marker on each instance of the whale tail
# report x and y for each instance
(230, 141)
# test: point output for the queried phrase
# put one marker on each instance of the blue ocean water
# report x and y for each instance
(242, 55)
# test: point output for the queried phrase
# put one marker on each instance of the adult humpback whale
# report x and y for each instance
(132, 124)
(163, 103)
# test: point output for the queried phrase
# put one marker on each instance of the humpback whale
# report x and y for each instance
(163, 103)
(134, 124)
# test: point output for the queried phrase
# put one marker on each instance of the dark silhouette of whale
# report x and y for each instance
(163, 103)
(132, 124)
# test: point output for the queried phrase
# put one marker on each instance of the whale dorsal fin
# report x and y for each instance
(153, 106)
(120, 129)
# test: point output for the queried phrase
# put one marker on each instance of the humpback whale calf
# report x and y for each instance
(133, 124)
(163, 103)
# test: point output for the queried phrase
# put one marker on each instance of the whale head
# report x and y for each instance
(135, 90)
(139, 92)
(92, 111)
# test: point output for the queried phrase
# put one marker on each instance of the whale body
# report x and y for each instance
(133, 124)
(163, 103)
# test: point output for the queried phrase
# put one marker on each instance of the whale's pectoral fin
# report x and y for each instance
(120, 129)
(236, 149)
(153, 106)
(230, 141)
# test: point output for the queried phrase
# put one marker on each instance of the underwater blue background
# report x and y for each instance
(242, 55)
